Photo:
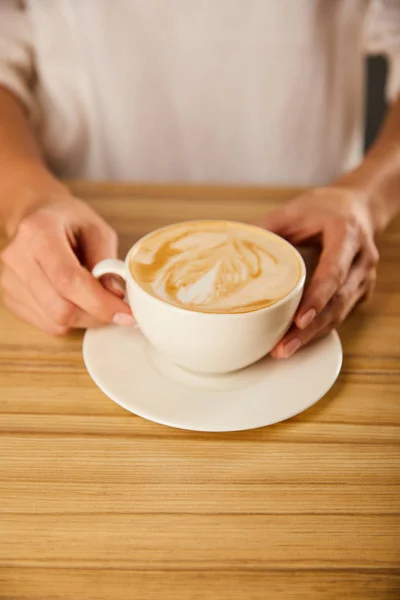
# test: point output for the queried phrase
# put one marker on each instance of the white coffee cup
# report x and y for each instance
(207, 342)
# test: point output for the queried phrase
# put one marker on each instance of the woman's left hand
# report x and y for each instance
(341, 221)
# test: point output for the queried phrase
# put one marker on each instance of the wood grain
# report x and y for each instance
(103, 584)
(98, 504)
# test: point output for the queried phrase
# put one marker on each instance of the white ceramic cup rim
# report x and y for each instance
(299, 284)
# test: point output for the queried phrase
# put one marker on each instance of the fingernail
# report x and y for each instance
(308, 318)
(291, 347)
(123, 319)
(116, 286)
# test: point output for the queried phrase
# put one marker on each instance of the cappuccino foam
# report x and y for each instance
(215, 266)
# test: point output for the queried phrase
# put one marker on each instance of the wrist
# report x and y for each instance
(367, 200)
(24, 188)
(369, 197)
(377, 181)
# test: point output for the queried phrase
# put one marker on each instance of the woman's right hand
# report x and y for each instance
(46, 277)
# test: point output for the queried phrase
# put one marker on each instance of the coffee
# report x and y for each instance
(215, 266)
(196, 289)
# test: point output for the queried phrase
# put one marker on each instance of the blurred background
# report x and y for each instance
(376, 106)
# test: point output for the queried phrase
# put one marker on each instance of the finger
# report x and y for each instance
(113, 284)
(354, 289)
(290, 225)
(277, 221)
(99, 243)
(64, 312)
(28, 314)
(296, 338)
(359, 284)
(74, 283)
(339, 249)
(26, 280)
(370, 286)
(46, 305)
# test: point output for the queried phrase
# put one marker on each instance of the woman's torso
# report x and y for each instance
(239, 91)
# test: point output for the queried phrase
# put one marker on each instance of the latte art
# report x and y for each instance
(215, 266)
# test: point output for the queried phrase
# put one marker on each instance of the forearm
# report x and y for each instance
(23, 171)
(378, 176)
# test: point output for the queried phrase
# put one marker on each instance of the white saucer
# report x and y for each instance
(128, 370)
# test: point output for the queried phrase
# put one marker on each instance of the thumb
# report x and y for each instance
(98, 243)
(276, 221)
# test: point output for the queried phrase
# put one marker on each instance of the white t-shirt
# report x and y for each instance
(225, 91)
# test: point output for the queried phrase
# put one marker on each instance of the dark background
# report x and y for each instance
(376, 106)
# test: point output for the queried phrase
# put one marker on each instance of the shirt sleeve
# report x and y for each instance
(16, 52)
(382, 36)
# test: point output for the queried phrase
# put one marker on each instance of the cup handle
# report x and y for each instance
(110, 266)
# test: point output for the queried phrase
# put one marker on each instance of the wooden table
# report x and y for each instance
(96, 503)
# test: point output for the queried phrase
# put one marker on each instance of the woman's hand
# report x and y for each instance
(340, 221)
(46, 277)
